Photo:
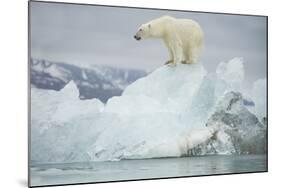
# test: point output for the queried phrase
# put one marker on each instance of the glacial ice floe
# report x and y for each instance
(172, 112)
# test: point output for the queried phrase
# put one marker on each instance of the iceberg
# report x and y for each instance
(167, 89)
(61, 106)
(260, 98)
(57, 120)
(171, 112)
(230, 76)
(238, 131)
(227, 77)
(152, 115)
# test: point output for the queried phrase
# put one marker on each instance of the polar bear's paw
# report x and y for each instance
(169, 62)
(190, 61)
(172, 65)
(184, 62)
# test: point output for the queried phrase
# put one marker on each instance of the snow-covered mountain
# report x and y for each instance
(101, 82)
(171, 112)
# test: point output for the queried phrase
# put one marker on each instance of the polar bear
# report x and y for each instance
(183, 37)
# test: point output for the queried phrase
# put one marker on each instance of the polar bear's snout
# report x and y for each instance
(140, 34)
(137, 37)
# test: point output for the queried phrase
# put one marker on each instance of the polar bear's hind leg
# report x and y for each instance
(191, 56)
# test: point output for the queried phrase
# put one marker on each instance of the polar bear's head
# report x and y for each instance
(153, 29)
(144, 32)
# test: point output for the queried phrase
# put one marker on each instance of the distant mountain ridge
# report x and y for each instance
(100, 82)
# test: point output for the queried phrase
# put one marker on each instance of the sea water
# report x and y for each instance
(90, 172)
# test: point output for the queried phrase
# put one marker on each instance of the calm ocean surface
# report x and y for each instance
(69, 173)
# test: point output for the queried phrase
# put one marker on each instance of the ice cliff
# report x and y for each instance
(172, 112)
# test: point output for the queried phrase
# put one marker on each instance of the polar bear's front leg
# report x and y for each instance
(171, 56)
(171, 60)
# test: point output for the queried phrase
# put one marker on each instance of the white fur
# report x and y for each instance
(183, 37)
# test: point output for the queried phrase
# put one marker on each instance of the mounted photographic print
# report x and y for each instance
(123, 93)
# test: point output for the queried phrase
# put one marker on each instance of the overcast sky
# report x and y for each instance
(87, 35)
